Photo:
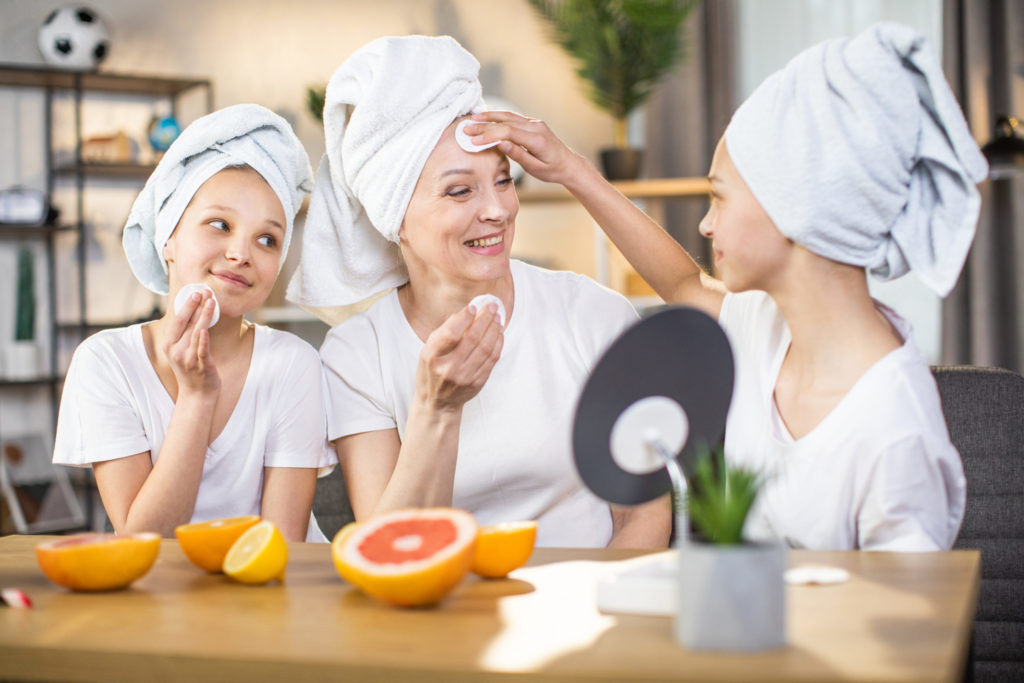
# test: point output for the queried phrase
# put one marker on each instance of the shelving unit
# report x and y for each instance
(53, 83)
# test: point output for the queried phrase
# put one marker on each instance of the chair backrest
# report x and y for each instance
(330, 503)
(984, 410)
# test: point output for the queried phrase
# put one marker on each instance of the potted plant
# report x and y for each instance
(731, 592)
(623, 48)
(23, 354)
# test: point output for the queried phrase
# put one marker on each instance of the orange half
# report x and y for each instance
(500, 548)
(98, 562)
(206, 544)
(410, 557)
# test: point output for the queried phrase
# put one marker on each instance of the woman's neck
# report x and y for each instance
(428, 301)
(837, 331)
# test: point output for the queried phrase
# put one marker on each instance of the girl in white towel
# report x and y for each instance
(201, 414)
(855, 158)
(434, 400)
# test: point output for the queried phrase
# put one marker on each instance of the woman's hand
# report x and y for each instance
(188, 347)
(530, 143)
(458, 358)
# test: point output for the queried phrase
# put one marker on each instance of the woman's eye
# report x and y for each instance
(267, 240)
(504, 181)
(458, 192)
(219, 224)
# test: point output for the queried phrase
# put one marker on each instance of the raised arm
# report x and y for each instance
(383, 472)
(657, 257)
(139, 495)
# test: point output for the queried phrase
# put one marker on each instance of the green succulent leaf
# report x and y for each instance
(720, 497)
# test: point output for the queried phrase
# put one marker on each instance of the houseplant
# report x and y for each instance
(732, 594)
(23, 354)
(623, 48)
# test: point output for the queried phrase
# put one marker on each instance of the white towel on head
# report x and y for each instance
(386, 107)
(858, 151)
(241, 134)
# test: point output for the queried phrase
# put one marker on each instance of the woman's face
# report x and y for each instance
(749, 250)
(230, 238)
(461, 218)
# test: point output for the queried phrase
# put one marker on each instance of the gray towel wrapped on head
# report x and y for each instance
(858, 151)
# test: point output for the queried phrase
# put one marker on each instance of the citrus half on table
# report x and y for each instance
(410, 558)
(500, 548)
(206, 544)
(98, 562)
(259, 555)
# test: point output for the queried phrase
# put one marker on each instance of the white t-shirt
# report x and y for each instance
(114, 406)
(877, 473)
(515, 450)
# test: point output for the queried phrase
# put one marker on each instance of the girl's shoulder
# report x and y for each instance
(120, 344)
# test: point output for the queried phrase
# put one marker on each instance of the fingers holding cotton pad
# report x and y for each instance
(466, 141)
(185, 292)
(481, 301)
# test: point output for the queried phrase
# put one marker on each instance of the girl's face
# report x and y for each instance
(229, 238)
(461, 217)
(749, 250)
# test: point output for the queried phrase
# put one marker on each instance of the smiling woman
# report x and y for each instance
(433, 401)
(187, 418)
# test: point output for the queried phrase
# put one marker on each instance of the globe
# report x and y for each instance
(162, 132)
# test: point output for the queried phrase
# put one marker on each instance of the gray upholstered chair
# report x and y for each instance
(984, 410)
(330, 504)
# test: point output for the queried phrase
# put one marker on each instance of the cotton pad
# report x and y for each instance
(185, 292)
(480, 302)
(816, 575)
(466, 141)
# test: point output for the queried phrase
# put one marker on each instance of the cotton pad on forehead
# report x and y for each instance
(185, 292)
(481, 301)
(465, 140)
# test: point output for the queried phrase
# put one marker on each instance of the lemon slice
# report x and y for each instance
(206, 544)
(258, 556)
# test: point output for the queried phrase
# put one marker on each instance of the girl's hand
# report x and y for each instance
(458, 358)
(530, 143)
(188, 347)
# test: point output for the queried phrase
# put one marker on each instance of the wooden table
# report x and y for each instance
(900, 617)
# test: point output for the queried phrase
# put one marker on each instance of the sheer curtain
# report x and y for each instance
(687, 114)
(982, 318)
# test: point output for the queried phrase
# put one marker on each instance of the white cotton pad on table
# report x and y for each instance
(185, 292)
(480, 302)
(816, 575)
(466, 141)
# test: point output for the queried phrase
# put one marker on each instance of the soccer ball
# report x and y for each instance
(73, 38)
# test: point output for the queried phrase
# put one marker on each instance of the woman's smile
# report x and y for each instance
(487, 246)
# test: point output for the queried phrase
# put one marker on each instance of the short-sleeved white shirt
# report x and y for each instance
(877, 473)
(515, 453)
(114, 406)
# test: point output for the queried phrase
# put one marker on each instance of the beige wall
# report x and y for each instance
(269, 52)
(266, 52)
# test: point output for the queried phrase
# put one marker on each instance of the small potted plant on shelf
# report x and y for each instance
(731, 591)
(23, 354)
(623, 48)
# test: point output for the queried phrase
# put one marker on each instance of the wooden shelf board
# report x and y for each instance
(39, 76)
(104, 170)
(654, 188)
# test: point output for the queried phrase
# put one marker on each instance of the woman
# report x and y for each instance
(855, 158)
(433, 401)
(200, 414)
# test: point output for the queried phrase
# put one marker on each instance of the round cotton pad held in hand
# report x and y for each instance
(185, 292)
(466, 141)
(481, 301)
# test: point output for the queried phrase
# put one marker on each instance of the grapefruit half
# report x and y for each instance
(98, 562)
(410, 558)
